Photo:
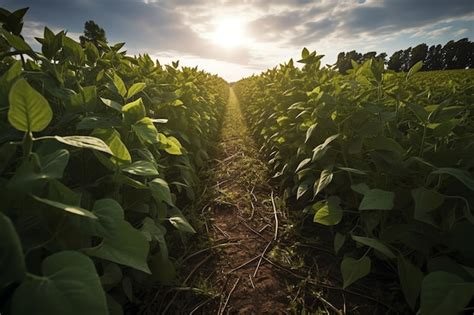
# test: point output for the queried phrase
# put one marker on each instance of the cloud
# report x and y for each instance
(277, 30)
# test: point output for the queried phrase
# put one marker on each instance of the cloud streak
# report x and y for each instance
(276, 30)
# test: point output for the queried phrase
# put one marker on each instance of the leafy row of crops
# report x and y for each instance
(386, 157)
(99, 151)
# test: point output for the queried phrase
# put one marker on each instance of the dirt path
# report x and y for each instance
(242, 209)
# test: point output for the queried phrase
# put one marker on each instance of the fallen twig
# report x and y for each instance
(261, 257)
(276, 217)
(228, 297)
(251, 260)
(208, 249)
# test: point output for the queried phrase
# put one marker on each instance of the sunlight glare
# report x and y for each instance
(228, 32)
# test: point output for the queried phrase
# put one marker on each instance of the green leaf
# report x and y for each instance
(162, 269)
(376, 244)
(302, 164)
(443, 293)
(410, 280)
(178, 220)
(354, 269)
(135, 88)
(161, 191)
(419, 111)
(174, 146)
(68, 208)
(29, 110)
(352, 170)
(85, 142)
(112, 275)
(321, 149)
(15, 41)
(133, 112)
(463, 176)
(152, 231)
(112, 138)
(7, 80)
(54, 164)
(324, 179)
(122, 243)
(377, 199)
(142, 168)
(385, 144)
(73, 50)
(426, 200)
(339, 240)
(69, 285)
(11, 254)
(112, 104)
(329, 212)
(309, 132)
(146, 131)
(119, 85)
(414, 69)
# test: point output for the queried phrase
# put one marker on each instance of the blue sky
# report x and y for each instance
(238, 38)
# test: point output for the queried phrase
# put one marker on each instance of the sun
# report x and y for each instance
(228, 32)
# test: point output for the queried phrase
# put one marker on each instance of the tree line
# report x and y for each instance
(453, 55)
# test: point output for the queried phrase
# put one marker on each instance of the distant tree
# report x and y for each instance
(368, 55)
(93, 33)
(382, 56)
(433, 58)
(418, 53)
(458, 54)
(395, 62)
(344, 63)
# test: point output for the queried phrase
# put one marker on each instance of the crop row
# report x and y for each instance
(99, 154)
(384, 157)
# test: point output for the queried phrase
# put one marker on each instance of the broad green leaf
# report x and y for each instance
(321, 149)
(419, 111)
(12, 261)
(376, 244)
(7, 80)
(135, 88)
(377, 199)
(69, 285)
(85, 142)
(112, 275)
(178, 220)
(29, 110)
(386, 144)
(354, 269)
(329, 212)
(153, 231)
(426, 200)
(85, 99)
(146, 131)
(161, 191)
(68, 208)
(73, 51)
(324, 180)
(112, 104)
(54, 164)
(133, 112)
(461, 175)
(443, 293)
(415, 68)
(302, 189)
(174, 146)
(141, 168)
(128, 247)
(15, 41)
(112, 138)
(352, 170)
(93, 122)
(410, 280)
(119, 85)
(339, 240)
(302, 164)
(163, 270)
(309, 132)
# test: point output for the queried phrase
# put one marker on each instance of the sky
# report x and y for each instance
(236, 39)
